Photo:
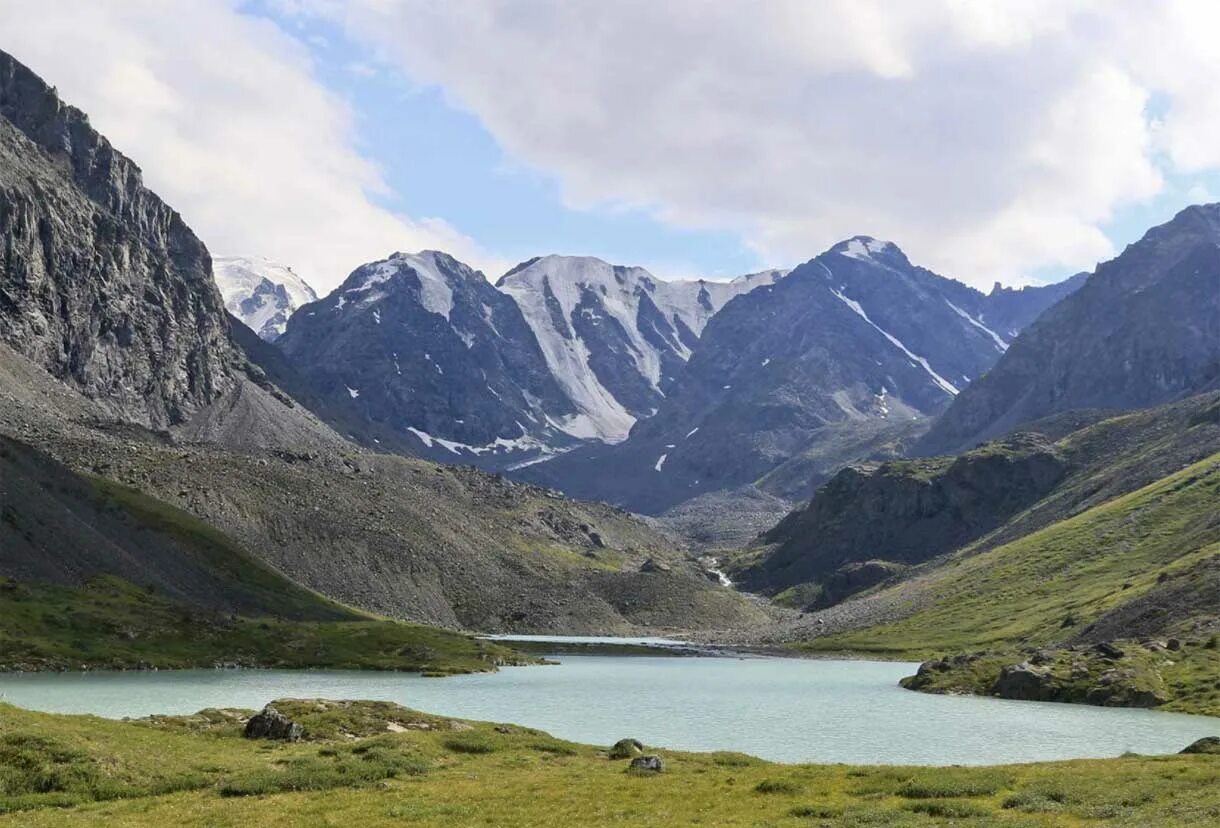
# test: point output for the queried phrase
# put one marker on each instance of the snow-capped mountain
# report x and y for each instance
(429, 357)
(615, 337)
(843, 359)
(260, 292)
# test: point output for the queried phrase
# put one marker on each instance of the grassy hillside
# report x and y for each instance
(912, 511)
(354, 769)
(111, 623)
(1049, 586)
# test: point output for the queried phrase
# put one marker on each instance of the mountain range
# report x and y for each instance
(160, 419)
(608, 383)
(434, 360)
(843, 359)
(1030, 472)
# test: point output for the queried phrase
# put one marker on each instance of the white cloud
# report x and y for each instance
(988, 139)
(224, 116)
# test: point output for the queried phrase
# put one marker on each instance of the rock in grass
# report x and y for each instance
(626, 748)
(1208, 744)
(646, 764)
(272, 724)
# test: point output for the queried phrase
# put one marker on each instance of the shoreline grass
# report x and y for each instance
(367, 763)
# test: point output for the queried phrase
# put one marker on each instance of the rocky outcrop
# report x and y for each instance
(1143, 330)
(1105, 675)
(102, 283)
(904, 512)
(1025, 682)
(272, 724)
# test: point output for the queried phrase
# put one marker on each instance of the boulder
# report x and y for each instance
(626, 748)
(1208, 744)
(646, 764)
(1024, 682)
(653, 565)
(272, 724)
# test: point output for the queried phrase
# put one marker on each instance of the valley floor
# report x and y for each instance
(373, 763)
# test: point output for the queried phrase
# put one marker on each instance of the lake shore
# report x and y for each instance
(378, 764)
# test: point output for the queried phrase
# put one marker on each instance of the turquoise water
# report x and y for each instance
(788, 710)
(644, 641)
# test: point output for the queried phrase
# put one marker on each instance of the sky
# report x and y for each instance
(1016, 140)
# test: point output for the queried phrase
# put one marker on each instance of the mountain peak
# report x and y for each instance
(262, 293)
(435, 271)
(869, 249)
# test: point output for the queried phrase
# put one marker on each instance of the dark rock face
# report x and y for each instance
(1008, 311)
(102, 284)
(1143, 330)
(837, 362)
(429, 356)
(851, 578)
(272, 724)
(903, 512)
(646, 764)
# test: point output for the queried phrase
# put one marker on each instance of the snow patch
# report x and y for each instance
(352, 392)
(944, 384)
(999, 341)
(864, 248)
(435, 293)
(242, 279)
(660, 462)
(600, 414)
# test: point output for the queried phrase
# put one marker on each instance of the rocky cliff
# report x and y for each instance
(903, 512)
(102, 284)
